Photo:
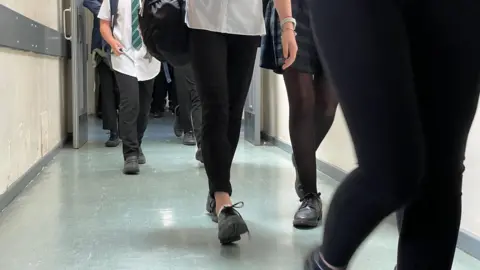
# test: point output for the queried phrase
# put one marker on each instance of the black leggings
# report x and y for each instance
(312, 111)
(406, 75)
(223, 68)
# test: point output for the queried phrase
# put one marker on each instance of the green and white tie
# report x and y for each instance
(136, 38)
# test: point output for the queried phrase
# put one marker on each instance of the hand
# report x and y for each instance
(289, 44)
(117, 47)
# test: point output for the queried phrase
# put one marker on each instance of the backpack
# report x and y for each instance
(164, 31)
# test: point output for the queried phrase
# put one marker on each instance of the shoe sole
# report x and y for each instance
(112, 144)
(141, 162)
(189, 143)
(306, 223)
(232, 231)
(131, 171)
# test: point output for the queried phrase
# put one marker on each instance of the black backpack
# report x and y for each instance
(164, 32)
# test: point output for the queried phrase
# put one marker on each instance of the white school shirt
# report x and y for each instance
(238, 17)
(135, 64)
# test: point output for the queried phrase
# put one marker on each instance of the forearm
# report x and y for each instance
(106, 31)
(284, 8)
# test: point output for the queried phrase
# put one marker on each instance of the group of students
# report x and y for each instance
(406, 74)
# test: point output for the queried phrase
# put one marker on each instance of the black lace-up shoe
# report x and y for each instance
(231, 224)
(189, 138)
(309, 214)
(113, 140)
(131, 165)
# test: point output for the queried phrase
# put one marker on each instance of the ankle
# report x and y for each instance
(222, 199)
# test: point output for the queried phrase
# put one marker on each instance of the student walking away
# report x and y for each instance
(311, 101)
(188, 114)
(406, 74)
(108, 90)
(163, 90)
(165, 34)
(135, 71)
(223, 58)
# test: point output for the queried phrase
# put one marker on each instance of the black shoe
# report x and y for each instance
(131, 165)
(231, 224)
(211, 207)
(141, 157)
(199, 155)
(189, 138)
(113, 140)
(177, 129)
(309, 214)
(298, 185)
(314, 261)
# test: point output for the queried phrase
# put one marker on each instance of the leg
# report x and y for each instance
(184, 87)
(129, 111)
(159, 94)
(446, 63)
(367, 58)
(209, 62)
(242, 51)
(302, 102)
(325, 108)
(145, 99)
(109, 106)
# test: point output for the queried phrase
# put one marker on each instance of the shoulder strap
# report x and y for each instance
(113, 12)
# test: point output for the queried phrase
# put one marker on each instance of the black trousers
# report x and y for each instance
(135, 100)
(223, 67)
(109, 97)
(163, 89)
(406, 74)
(189, 101)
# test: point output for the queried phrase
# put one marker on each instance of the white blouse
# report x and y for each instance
(238, 17)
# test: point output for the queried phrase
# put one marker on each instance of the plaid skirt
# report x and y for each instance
(307, 59)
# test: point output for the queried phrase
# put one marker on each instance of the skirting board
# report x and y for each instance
(16, 188)
(467, 242)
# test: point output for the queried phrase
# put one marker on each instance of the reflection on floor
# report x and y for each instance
(83, 213)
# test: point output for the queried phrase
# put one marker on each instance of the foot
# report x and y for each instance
(298, 185)
(113, 140)
(141, 157)
(131, 165)
(230, 224)
(189, 138)
(314, 261)
(309, 214)
(199, 155)
(177, 129)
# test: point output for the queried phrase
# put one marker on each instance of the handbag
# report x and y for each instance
(164, 31)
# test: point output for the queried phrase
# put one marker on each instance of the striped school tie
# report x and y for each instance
(136, 38)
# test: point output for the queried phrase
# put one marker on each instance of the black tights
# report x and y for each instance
(406, 75)
(312, 111)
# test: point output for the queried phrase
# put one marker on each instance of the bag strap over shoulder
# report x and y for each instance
(113, 12)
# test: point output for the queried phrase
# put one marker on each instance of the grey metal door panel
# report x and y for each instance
(79, 74)
(252, 110)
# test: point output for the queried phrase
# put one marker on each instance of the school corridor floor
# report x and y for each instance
(82, 213)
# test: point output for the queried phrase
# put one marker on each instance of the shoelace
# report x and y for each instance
(234, 206)
(308, 198)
